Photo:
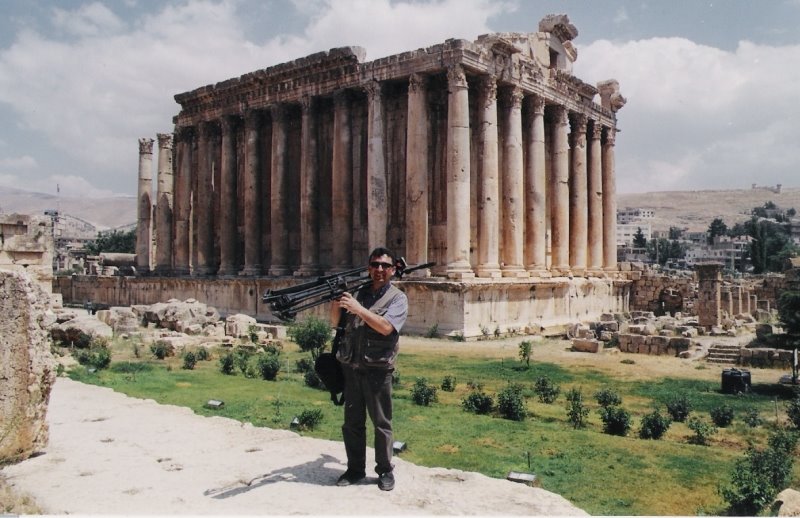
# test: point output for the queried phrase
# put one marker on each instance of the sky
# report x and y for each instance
(712, 87)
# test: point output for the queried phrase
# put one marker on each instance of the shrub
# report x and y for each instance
(511, 404)
(576, 411)
(264, 365)
(793, 411)
(160, 349)
(752, 419)
(722, 415)
(478, 403)
(241, 358)
(309, 419)
(475, 385)
(679, 408)
(525, 352)
(97, 357)
(546, 390)
(433, 331)
(422, 393)
(654, 425)
(311, 379)
(189, 360)
(760, 475)
(227, 363)
(304, 365)
(203, 354)
(311, 335)
(252, 333)
(607, 397)
(448, 384)
(702, 431)
(616, 420)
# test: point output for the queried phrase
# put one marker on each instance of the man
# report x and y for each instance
(374, 317)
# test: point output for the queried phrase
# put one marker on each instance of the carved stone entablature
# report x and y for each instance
(610, 98)
(560, 26)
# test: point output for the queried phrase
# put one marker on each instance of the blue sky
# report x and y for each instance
(712, 86)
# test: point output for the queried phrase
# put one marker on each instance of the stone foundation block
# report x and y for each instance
(586, 345)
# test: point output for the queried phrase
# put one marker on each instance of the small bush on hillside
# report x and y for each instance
(312, 334)
(309, 419)
(654, 425)
(752, 418)
(758, 477)
(478, 403)
(203, 354)
(97, 357)
(607, 397)
(311, 379)
(304, 365)
(679, 408)
(511, 404)
(448, 384)
(616, 420)
(702, 431)
(160, 349)
(264, 365)
(576, 410)
(241, 358)
(189, 360)
(422, 393)
(793, 411)
(546, 390)
(722, 415)
(227, 363)
(525, 347)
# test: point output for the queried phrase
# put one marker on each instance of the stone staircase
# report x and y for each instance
(727, 354)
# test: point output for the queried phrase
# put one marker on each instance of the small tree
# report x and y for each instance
(616, 420)
(311, 335)
(576, 411)
(654, 425)
(679, 408)
(702, 431)
(607, 397)
(422, 393)
(525, 352)
(511, 404)
(546, 390)
(639, 241)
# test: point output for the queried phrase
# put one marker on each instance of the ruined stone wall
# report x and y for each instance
(26, 366)
(647, 290)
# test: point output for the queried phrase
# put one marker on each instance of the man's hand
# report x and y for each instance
(349, 303)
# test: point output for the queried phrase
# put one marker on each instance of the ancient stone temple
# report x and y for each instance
(488, 157)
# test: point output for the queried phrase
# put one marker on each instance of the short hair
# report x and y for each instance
(383, 251)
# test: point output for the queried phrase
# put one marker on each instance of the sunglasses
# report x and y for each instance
(378, 264)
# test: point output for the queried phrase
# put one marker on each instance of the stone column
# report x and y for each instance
(252, 218)
(595, 189)
(458, 170)
(417, 174)
(202, 202)
(578, 206)
(513, 187)
(609, 201)
(165, 179)
(144, 223)
(227, 216)
(708, 294)
(535, 189)
(183, 175)
(280, 245)
(488, 204)
(377, 196)
(342, 184)
(560, 205)
(309, 215)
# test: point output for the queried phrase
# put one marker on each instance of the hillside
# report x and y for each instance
(684, 209)
(696, 209)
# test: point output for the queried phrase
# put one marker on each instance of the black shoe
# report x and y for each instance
(350, 477)
(386, 481)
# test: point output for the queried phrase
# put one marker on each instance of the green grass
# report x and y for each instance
(599, 473)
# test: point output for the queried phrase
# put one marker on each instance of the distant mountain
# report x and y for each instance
(696, 209)
(104, 213)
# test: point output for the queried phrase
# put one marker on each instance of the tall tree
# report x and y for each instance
(639, 241)
(716, 228)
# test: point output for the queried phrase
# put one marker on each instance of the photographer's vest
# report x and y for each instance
(364, 347)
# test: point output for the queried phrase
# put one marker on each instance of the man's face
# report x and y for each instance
(381, 269)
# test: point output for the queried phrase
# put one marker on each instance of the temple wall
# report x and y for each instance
(463, 308)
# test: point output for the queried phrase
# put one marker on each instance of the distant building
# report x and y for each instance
(632, 215)
(731, 251)
(626, 232)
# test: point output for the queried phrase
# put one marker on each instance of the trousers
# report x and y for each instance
(367, 392)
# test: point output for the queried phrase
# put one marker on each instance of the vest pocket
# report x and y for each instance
(380, 353)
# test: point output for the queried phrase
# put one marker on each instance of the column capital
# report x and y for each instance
(164, 140)
(184, 133)
(417, 83)
(597, 130)
(513, 97)
(307, 103)
(578, 125)
(278, 112)
(145, 146)
(252, 118)
(488, 88)
(456, 77)
(560, 115)
(535, 104)
(340, 97)
(204, 129)
(611, 137)
(373, 88)
(229, 122)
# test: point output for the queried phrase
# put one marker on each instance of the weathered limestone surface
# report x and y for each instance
(27, 368)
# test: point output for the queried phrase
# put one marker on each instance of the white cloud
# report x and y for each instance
(20, 162)
(88, 20)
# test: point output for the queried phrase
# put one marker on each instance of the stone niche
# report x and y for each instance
(26, 366)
